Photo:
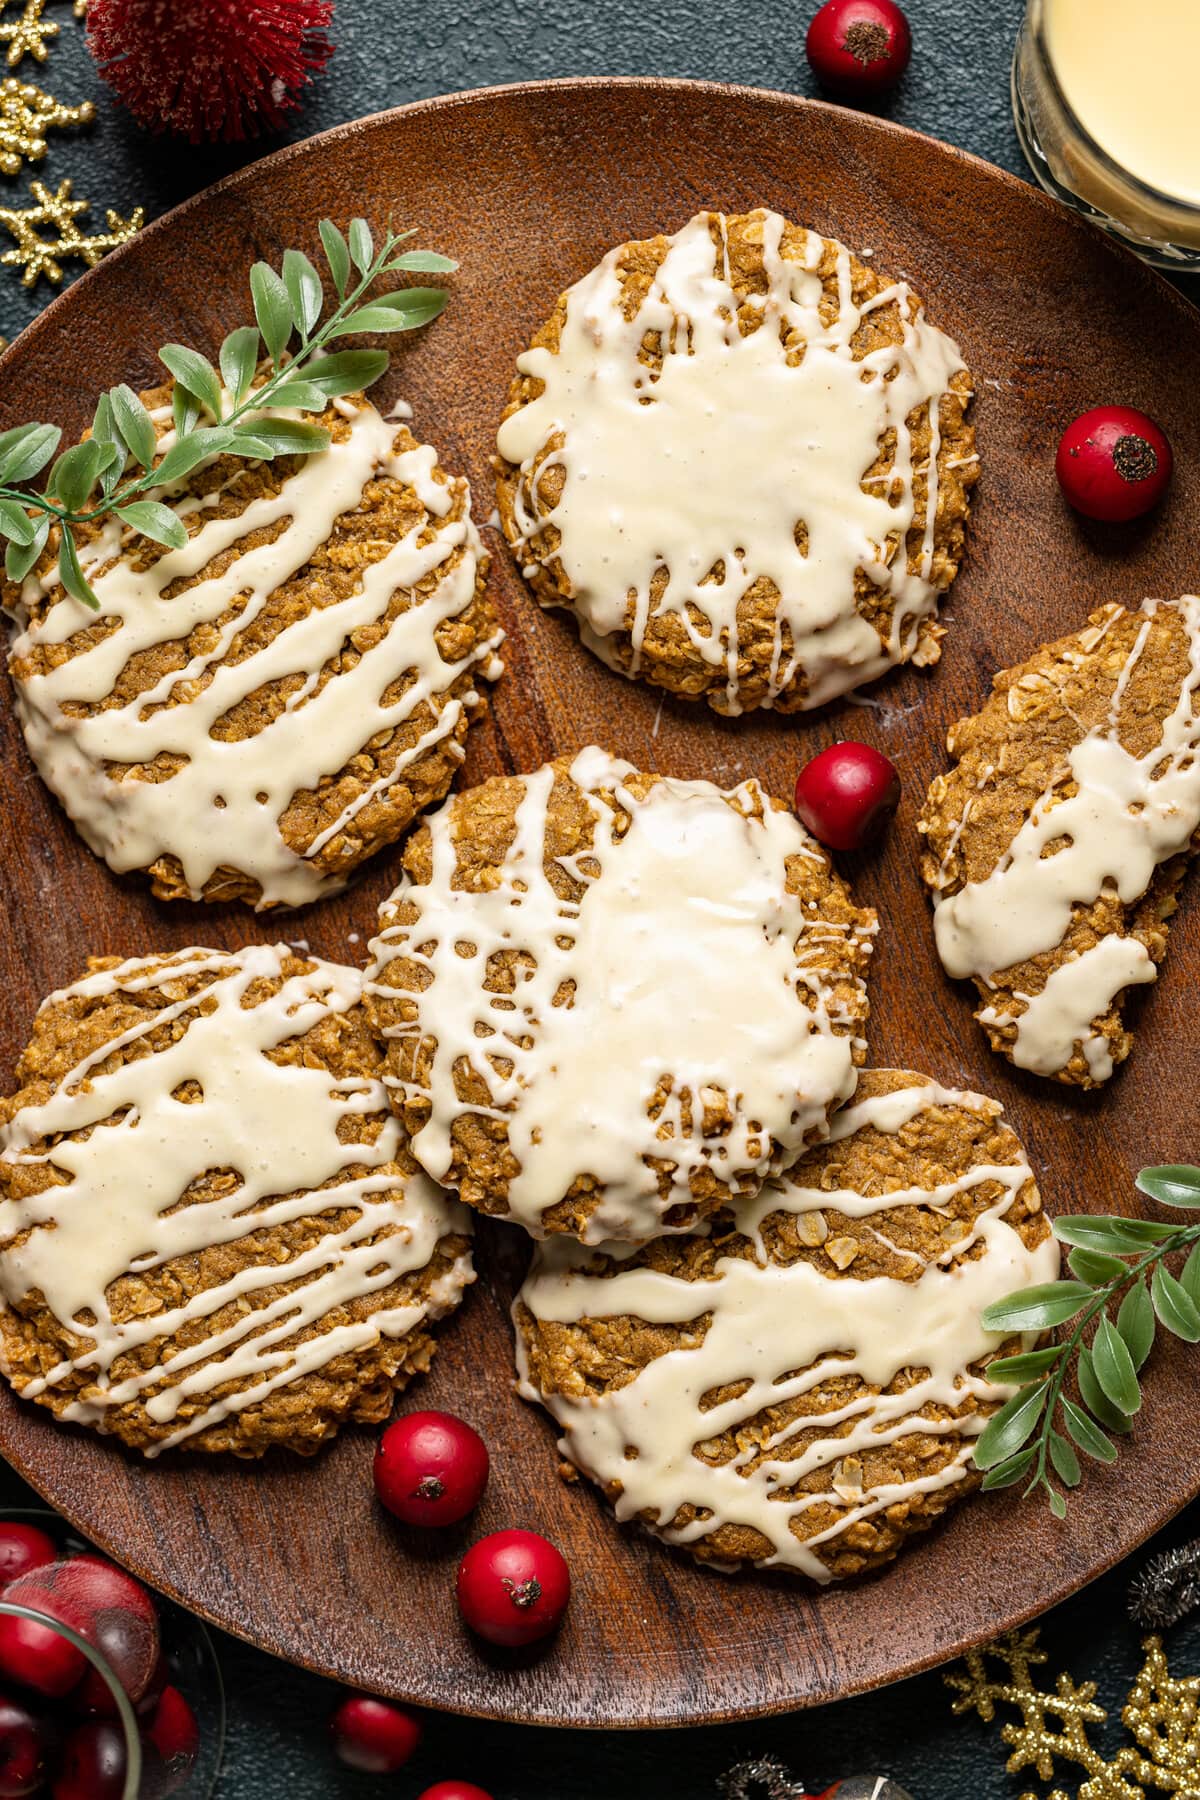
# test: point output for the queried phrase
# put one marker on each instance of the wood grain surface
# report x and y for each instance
(529, 186)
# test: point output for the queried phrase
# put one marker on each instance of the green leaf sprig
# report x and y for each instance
(1110, 1257)
(216, 413)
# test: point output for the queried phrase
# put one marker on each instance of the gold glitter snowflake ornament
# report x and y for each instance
(27, 35)
(1161, 1714)
(34, 255)
(26, 114)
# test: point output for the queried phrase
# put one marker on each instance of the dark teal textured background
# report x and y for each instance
(391, 51)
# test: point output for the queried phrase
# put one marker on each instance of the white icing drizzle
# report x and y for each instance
(720, 455)
(1076, 994)
(276, 1126)
(770, 1320)
(686, 957)
(223, 806)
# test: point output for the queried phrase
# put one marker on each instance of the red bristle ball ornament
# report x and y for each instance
(209, 69)
(859, 46)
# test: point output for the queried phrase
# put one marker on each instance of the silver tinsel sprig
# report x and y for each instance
(761, 1778)
(1167, 1589)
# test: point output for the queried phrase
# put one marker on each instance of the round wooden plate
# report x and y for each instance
(529, 186)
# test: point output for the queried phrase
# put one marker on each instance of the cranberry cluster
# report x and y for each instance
(431, 1469)
(59, 1734)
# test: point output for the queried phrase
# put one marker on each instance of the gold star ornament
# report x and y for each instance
(27, 35)
(26, 114)
(35, 254)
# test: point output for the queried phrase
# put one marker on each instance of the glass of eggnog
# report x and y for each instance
(1106, 95)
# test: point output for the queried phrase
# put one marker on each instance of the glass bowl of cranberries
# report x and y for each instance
(107, 1691)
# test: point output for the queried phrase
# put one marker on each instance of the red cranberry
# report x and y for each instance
(374, 1736)
(1113, 463)
(158, 1681)
(453, 1790)
(22, 1549)
(112, 1611)
(513, 1587)
(172, 1732)
(37, 1655)
(430, 1468)
(93, 1763)
(845, 794)
(23, 1750)
(859, 46)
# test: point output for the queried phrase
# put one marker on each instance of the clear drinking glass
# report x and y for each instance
(1068, 161)
(191, 1661)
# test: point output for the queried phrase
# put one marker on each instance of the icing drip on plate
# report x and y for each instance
(220, 807)
(682, 1017)
(744, 453)
(780, 1331)
(126, 1143)
(1102, 825)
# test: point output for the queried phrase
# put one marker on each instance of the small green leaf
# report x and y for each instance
(1094, 1267)
(347, 371)
(362, 245)
(20, 558)
(1114, 1367)
(1024, 1366)
(1058, 1504)
(1189, 1275)
(336, 253)
(189, 452)
(288, 437)
(1096, 1400)
(304, 290)
(1005, 1473)
(1110, 1233)
(185, 411)
(424, 262)
(272, 309)
(1174, 1184)
(246, 442)
(1038, 1308)
(1088, 1436)
(386, 318)
(105, 431)
(304, 394)
(16, 524)
(239, 359)
(13, 436)
(1065, 1461)
(70, 573)
(156, 521)
(1174, 1305)
(73, 476)
(29, 452)
(1008, 1429)
(195, 373)
(1135, 1322)
(134, 424)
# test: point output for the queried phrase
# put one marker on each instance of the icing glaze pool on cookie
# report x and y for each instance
(276, 1124)
(681, 962)
(723, 453)
(223, 803)
(1128, 815)
(769, 1322)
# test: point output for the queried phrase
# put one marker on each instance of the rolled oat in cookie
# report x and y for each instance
(611, 1001)
(800, 1384)
(211, 1231)
(253, 715)
(1057, 846)
(740, 458)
